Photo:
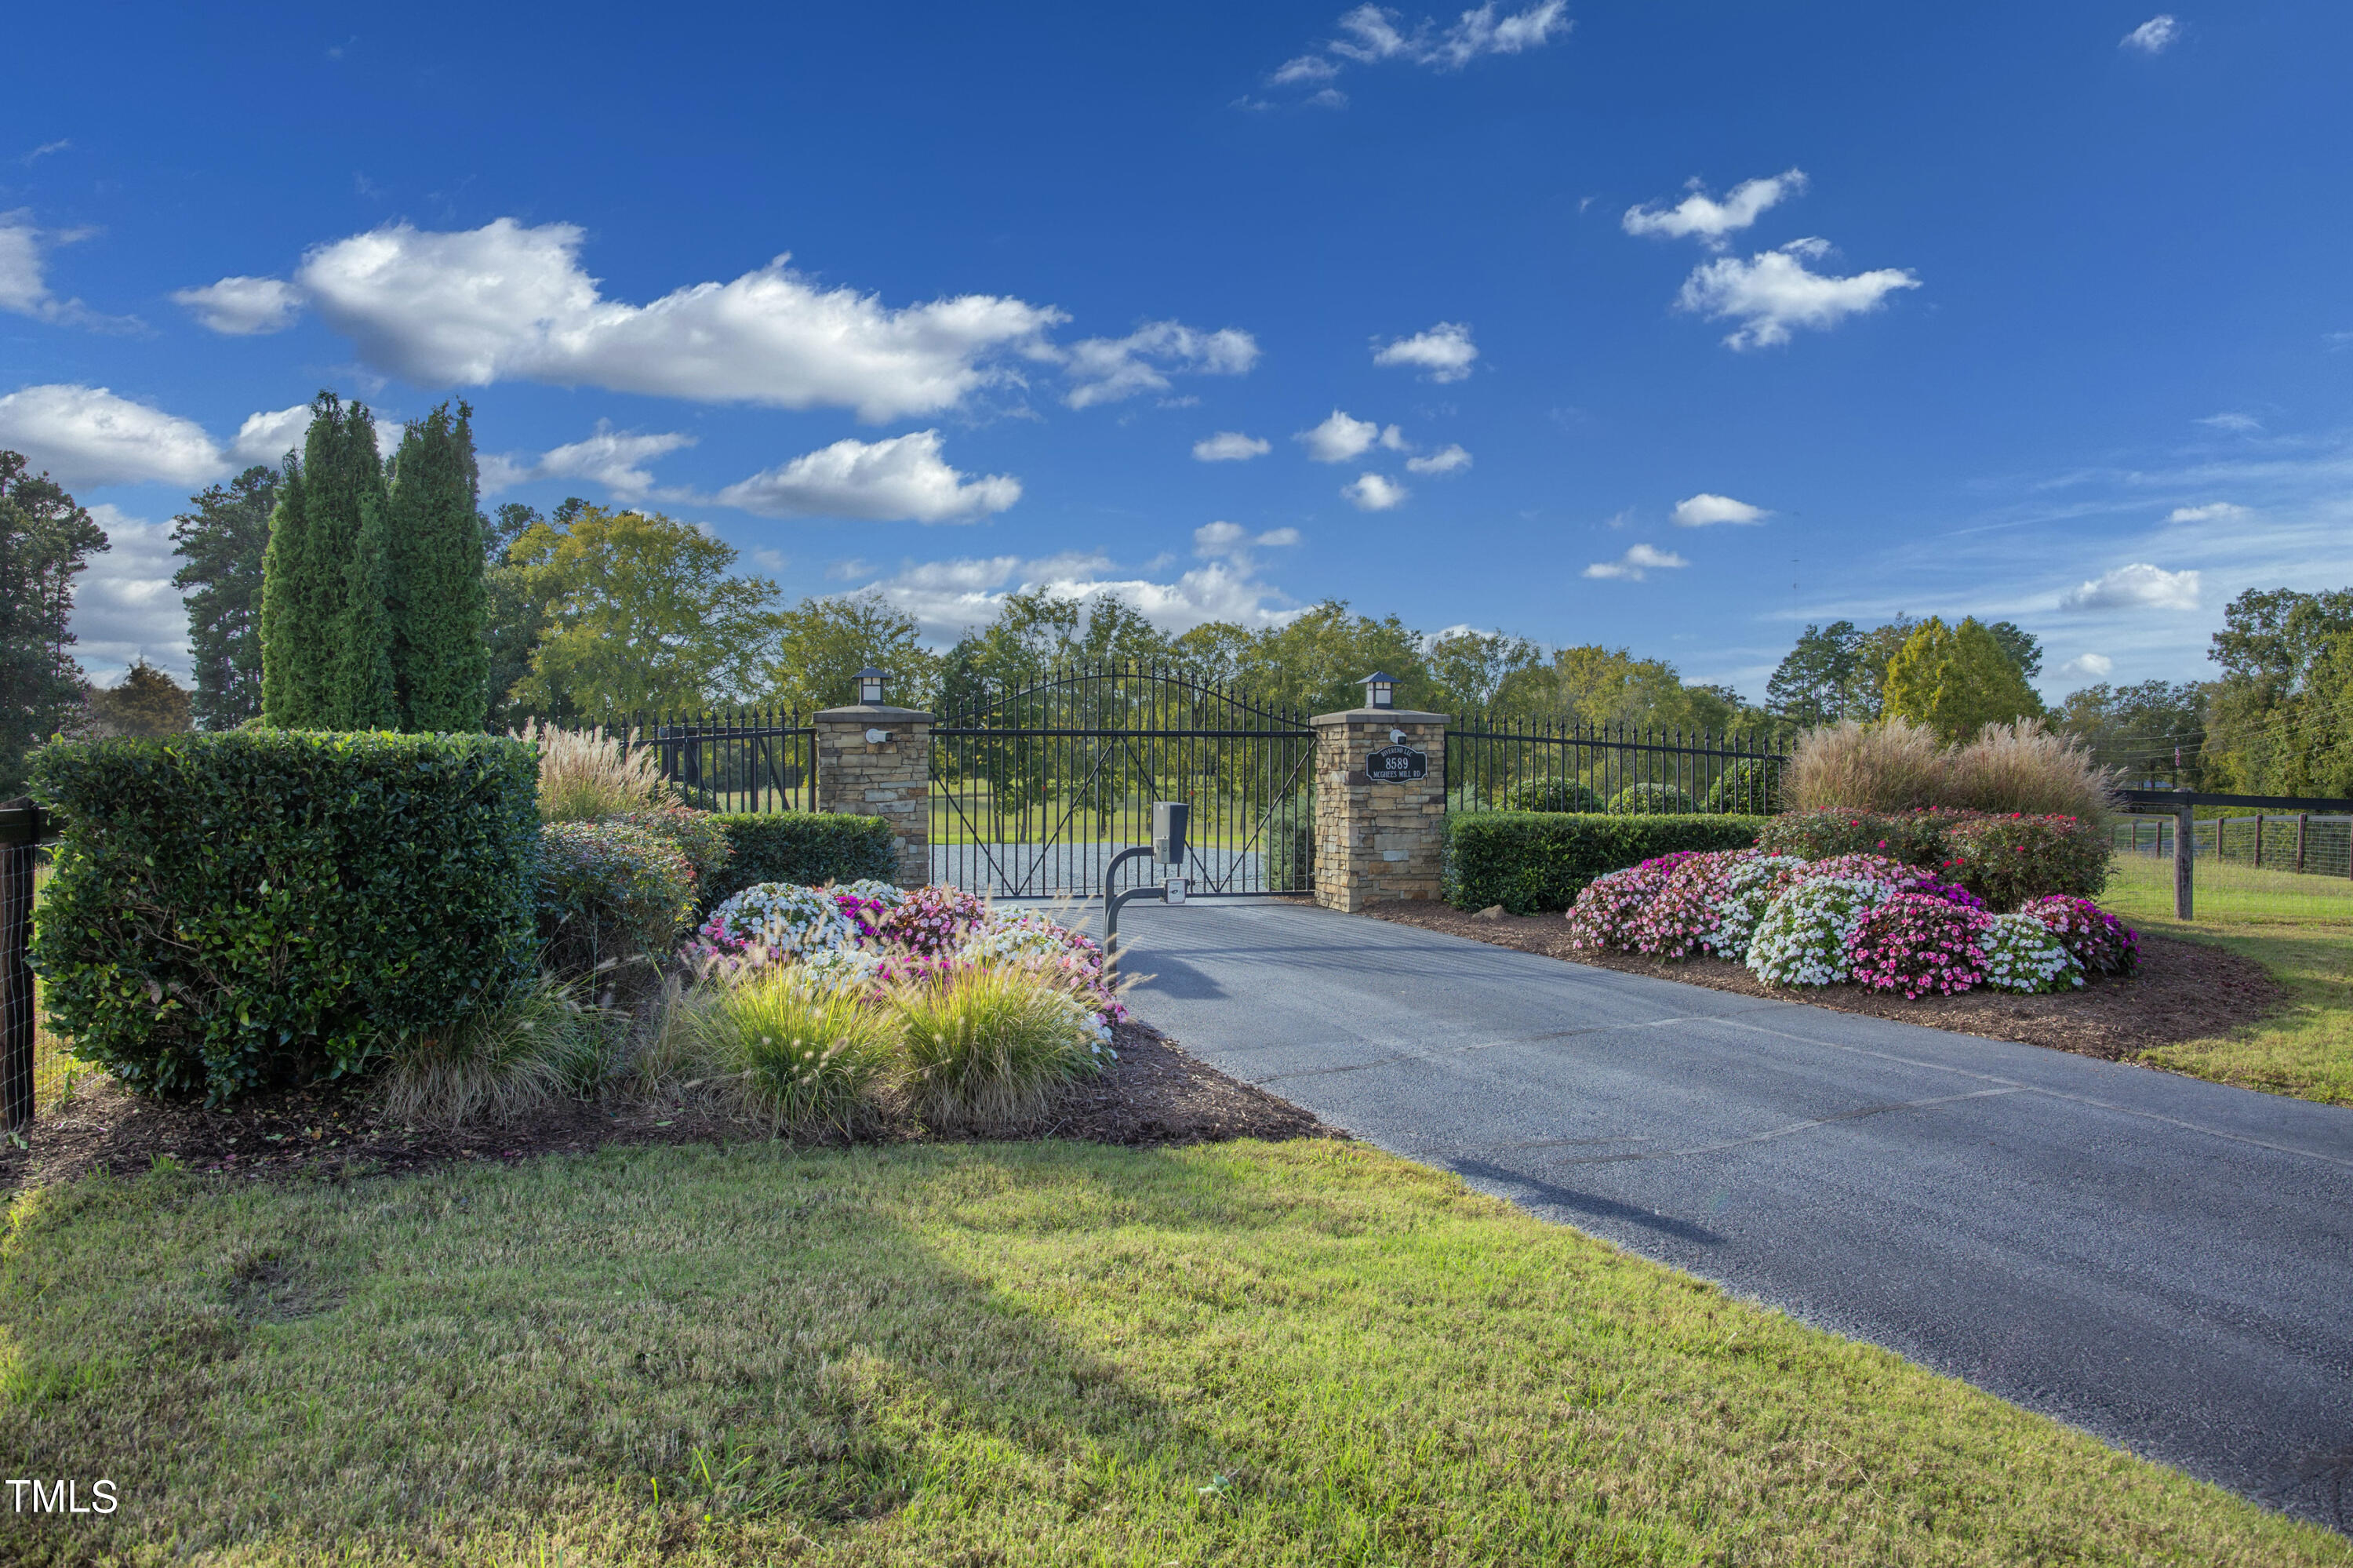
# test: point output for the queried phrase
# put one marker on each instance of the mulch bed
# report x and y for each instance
(1155, 1095)
(2185, 991)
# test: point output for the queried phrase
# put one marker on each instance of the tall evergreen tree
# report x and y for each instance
(221, 544)
(366, 694)
(320, 671)
(441, 654)
(289, 678)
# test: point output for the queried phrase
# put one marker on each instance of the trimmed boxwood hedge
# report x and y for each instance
(807, 847)
(258, 906)
(1530, 862)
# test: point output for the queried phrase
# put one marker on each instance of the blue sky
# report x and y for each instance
(1671, 325)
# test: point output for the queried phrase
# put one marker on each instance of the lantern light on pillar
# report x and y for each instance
(1380, 691)
(870, 686)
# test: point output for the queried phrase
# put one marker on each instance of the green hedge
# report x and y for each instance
(1530, 862)
(805, 847)
(2003, 859)
(258, 906)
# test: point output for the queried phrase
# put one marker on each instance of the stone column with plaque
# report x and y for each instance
(1380, 806)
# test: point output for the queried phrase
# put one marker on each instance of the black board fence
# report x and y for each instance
(1493, 765)
(2312, 836)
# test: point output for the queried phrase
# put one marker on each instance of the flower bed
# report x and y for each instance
(1860, 917)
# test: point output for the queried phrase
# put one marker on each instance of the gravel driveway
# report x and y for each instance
(2163, 1262)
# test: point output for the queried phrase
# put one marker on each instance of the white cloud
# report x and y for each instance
(948, 597)
(1452, 459)
(2212, 511)
(266, 438)
(24, 283)
(1445, 351)
(505, 301)
(2241, 423)
(2088, 667)
(1340, 439)
(1774, 290)
(88, 436)
(1635, 564)
(1699, 510)
(1699, 216)
(1330, 98)
(2152, 37)
(124, 604)
(243, 307)
(1233, 544)
(2136, 586)
(613, 459)
(903, 479)
(1231, 446)
(1375, 493)
(1107, 369)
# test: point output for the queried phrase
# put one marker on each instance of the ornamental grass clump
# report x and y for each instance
(802, 1056)
(1043, 947)
(1893, 766)
(2024, 768)
(1803, 940)
(1919, 944)
(986, 1048)
(505, 1061)
(2098, 940)
(585, 775)
(2024, 954)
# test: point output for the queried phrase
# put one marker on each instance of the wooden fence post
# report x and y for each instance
(2184, 852)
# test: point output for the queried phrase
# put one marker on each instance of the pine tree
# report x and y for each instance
(221, 544)
(441, 652)
(290, 683)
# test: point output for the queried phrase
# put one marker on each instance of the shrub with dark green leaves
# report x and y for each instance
(808, 848)
(2009, 860)
(608, 893)
(1655, 799)
(250, 907)
(1531, 862)
(1551, 795)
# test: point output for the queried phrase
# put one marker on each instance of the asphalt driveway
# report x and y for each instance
(2163, 1262)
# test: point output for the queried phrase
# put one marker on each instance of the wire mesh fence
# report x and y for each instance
(2291, 866)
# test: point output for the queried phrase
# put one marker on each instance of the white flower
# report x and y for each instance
(1801, 940)
(2024, 954)
(788, 921)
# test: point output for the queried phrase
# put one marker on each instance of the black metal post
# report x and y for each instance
(19, 844)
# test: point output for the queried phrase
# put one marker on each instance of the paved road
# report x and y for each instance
(2166, 1263)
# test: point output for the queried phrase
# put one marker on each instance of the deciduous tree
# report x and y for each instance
(1957, 680)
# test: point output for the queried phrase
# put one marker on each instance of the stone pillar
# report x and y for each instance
(1377, 842)
(889, 778)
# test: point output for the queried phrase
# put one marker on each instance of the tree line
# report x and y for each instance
(337, 589)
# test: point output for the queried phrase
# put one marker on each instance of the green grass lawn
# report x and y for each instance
(2302, 933)
(1244, 1354)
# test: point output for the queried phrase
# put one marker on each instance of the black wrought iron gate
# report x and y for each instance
(1035, 789)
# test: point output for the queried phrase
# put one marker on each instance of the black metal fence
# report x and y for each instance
(1035, 789)
(734, 759)
(21, 833)
(1501, 767)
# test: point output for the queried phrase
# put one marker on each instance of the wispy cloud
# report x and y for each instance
(1231, 446)
(23, 279)
(2153, 37)
(613, 459)
(1377, 35)
(1703, 509)
(1448, 460)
